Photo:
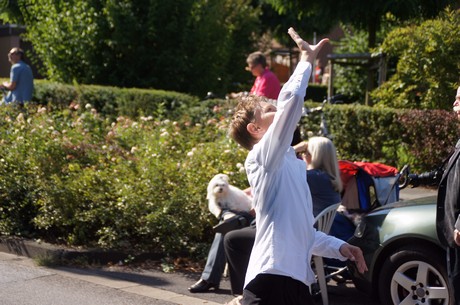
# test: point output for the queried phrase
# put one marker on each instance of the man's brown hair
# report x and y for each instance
(256, 58)
(244, 114)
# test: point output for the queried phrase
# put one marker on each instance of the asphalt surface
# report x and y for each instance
(142, 285)
(23, 283)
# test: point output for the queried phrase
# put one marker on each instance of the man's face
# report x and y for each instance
(264, 115)
(13, 56)
(256, 70)
(457, 103)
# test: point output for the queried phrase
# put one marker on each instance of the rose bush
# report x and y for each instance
(76, 178)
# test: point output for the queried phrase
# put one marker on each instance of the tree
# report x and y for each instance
(10, 12)
(427, 64)
(279, 21)
(364, 14)
(184, 45)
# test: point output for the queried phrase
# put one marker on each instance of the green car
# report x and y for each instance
(407, 264)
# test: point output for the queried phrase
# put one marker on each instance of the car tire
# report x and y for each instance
(409, 275)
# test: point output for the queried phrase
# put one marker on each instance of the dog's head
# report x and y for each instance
(218, 186)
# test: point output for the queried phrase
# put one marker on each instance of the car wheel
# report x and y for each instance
(415, 275)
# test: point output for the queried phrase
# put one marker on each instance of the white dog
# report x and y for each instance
(222, 195)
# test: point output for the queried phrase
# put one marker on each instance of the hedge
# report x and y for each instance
(376, 134)
(114, 101)
(87, 175)
(419, 138)
(361, 133)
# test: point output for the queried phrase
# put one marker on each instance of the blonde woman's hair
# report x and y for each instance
(324, 157)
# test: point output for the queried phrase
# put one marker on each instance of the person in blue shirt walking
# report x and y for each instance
(21, 84)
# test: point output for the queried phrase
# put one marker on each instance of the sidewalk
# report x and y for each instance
(170, 287)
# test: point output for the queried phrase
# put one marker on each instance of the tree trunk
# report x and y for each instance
(372, 30)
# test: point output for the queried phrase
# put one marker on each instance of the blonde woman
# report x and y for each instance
(323, 175)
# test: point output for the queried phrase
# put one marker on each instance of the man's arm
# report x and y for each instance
(329, 246)
(290, 104)
(8, 85)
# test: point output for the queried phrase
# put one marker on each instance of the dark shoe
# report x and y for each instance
(202, 286)
(233, 223)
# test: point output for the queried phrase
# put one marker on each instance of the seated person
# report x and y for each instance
(215, 263)
(323, 178)
(266, 83)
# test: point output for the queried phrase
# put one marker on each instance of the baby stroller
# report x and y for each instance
(366, 186)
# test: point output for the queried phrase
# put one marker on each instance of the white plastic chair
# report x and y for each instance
(323, 223)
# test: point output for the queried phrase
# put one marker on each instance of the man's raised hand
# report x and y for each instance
(309, 52)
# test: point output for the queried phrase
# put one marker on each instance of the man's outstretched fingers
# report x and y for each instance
(298, 40)
(305, 46)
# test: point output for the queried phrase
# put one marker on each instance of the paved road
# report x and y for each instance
(23, 283)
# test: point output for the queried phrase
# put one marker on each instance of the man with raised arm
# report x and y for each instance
(279, 269)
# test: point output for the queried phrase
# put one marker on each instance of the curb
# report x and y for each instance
(37, 250)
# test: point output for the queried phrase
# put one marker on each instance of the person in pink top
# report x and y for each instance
(266, 83)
